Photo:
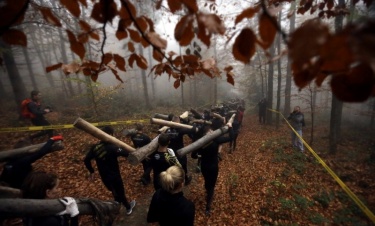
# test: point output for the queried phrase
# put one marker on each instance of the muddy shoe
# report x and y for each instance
(132, 204)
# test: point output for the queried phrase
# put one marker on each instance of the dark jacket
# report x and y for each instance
(105, 155)
(171, 209)
(297, 120)
(36, 109)
(140, 140)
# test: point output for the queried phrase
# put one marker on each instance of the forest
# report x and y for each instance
(124, 62)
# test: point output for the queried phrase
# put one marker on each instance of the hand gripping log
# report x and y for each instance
(95, 132)
(204, 140)
(141, 153)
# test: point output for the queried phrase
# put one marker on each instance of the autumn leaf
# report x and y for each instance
(208, 63)
(183, 32)
(203, 35)
(53, 67)
(247, 13)
(83, 37)
(120, 62)
(131, 59)
(83, 2)
(157, 55)
(230, 78)
(350, 87)
(156, 40)
(174, 5)
(158, 4)
(72, 6)
(267, 30)
(94, 35)
(121, 34)
(134, 35)
(70, 68)
(84, 26)
(116, 75)
(191, 5)
(107, 58)
(76, 46)
(330, 4)
(50, 17)
(9, 9)
(212, 23)
(176, 83)
(228, 68)
(131, 47)
(104, 10)
(142, 23)
(141, 62)
(14, 37)
(244, 45)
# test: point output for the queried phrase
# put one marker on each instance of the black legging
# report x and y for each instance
(210, 173)
(116, 186)
(183, 162)
(41, 122)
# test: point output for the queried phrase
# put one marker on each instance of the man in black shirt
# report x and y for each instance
(105, 155)
(139, 140)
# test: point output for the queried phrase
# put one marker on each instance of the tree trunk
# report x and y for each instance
(161, 116)
(30, 68)
(337, 105)
(169, 123)
(95, 132)
(204, 140)
(372, 123)
(19, 89)
(270, 85)
(20, 152)
(8, 193)
(278, 41)
(141, 153)
(57, 58)
(144, 82)
(65, 61)
(10, 208)
(288, 80)
(45, 53)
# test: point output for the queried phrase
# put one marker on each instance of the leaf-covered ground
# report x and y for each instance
(264, 182)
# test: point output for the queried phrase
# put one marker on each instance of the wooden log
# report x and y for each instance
(169, 123)
(141, 153)
(204, 140)
(201, 121)
(10, 208)
(8, 192)
(98, 133)
(196, 114)
(161, 116)
(20, 152)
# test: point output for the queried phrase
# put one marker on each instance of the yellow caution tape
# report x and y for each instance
(68, 126)
(360, 204)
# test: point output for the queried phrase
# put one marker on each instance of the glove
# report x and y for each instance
(57, 137)
(71, 206)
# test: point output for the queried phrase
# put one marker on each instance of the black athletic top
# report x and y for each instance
(171, 209)
(177, 137)
(140, 140)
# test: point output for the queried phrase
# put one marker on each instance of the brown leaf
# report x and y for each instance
(330, 4)
(107, 58)
(9, 9)
(83, 2)
(230, 78)
(132, 58)
(124, 14)
(104, 10)
(53, 67)
(70, 68)
(174, 5)
(14, 37)
(158, 4)
(176, 83)
(75, 46)
(212, 22)
(134, 35)
(228, 68)
(141, 62)
(184, 32)
(94, 35)
(191, 5)
(116, 75)
(131, 47)
(203, 35)
(354, 86)
(72, 6)
(321, 5)
(50, 17)
(267, 30)
(150, 24)
(120, 62)
(302, 38)
(208, 63)
(247, 13)
(84, 26)
(157, 55)
(244, 45)
(83, 38)
(121, 34)
(156, 40)
(97, 12)
(142, 23)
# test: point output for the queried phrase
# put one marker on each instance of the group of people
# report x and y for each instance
(168, 205)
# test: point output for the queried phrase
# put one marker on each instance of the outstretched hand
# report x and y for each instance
(71, 206)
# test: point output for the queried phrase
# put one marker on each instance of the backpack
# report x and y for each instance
(25, 112)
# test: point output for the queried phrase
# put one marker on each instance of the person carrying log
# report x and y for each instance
(16, 170)
(42, 185)
(176, 136)
(236, 128)
(210, 162)
(162, 159)
(105, 155)
(139, 140)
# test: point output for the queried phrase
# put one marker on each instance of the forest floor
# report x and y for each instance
(263, 182)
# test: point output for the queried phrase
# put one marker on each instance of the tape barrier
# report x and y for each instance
(360, 204)
(68, 126)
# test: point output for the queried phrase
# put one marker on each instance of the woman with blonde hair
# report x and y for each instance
(168, 205)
